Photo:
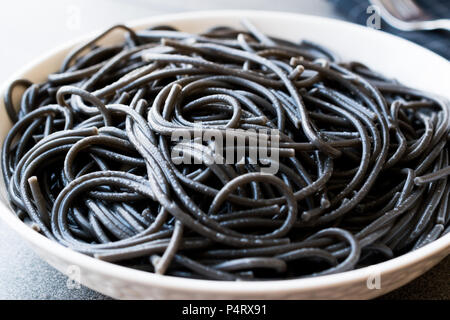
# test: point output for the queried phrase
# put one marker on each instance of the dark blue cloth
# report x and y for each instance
(436, 40)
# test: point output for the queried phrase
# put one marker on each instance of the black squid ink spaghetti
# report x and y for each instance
(362, 161)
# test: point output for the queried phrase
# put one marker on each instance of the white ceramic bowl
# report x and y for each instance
(395, 57)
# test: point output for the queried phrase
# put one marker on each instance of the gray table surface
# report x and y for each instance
(29, 28)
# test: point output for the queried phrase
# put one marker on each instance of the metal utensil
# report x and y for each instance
(408, 16)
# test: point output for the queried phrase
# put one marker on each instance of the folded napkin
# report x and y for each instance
(436, 40)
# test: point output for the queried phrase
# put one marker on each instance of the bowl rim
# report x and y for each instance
(85, 262)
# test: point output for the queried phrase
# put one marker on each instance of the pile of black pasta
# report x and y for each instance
(363, 161)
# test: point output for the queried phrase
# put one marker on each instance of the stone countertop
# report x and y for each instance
(30, 28)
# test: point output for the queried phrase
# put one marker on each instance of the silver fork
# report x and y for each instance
(406, 15)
